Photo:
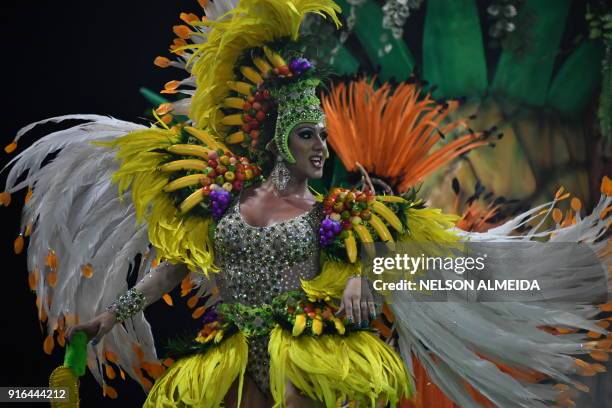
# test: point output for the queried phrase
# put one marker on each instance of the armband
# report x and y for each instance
(128, 304)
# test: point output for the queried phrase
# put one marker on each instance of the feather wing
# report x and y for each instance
(459, 341)
(84, 235)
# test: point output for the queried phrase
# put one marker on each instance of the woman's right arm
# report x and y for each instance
(151, 288)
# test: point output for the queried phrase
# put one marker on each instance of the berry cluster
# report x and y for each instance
(255, 110)
(315, 316)
(219, 201)
(348, 207)
(296, 67)
(227, 171)
(328, 231)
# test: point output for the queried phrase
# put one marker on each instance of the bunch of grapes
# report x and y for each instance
(328, 231)
(220, 200)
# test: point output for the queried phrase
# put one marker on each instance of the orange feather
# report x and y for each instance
(394, 134)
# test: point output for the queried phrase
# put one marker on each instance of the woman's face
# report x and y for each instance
(308, 144)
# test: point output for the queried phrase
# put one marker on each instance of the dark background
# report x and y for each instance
(66, 57)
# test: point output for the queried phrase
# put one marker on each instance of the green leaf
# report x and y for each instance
(453, 50)
(524, 75)
(344, 63)
(578, 80)
(397, 63)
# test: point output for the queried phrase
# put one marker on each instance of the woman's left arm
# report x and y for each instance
(357, 301)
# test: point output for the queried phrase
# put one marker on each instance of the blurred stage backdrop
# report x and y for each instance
(536, 74)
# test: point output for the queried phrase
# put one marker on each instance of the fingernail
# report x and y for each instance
(372, 316)
(365, 323)
(350, 319)
(94, 342)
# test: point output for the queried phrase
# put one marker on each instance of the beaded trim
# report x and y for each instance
(297, 103)
(128, 304)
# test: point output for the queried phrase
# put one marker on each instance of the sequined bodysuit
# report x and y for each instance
(259, 263)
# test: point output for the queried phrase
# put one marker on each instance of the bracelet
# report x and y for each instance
(128, 304)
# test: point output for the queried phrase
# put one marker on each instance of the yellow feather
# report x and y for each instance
(189, 150)
(207, 376)
(330, 282)
(358, 367)
(214, 60)
(205, 138)
(391, 199)
(176, 238)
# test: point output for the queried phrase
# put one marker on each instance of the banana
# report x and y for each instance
(274, 58)
(380, 228)
(252, 75)
(219, 336)
(234, 103)
(240, 87)
(262, 65)
(299, 325)
(189, 150)
(194, 199)
(363, 233)
(391, 199)
(232, 120)
(236, 137)
(205, 138)
(351, 247)
(339, 326)
(317, 325)
(186, 181)
(365, 237)
(388, 215)
(187, 164)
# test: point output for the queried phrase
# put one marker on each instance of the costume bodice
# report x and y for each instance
(259, 263)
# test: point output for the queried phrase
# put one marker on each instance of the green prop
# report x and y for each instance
(67, 375)
(76, 354)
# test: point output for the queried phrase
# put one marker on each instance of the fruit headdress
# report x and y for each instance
(252, 82)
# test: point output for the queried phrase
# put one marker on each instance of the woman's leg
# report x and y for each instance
(252, 397)
(295, 399)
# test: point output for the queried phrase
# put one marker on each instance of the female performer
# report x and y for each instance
(219, 202)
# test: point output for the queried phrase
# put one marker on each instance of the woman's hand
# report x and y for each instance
(96, 328)
(358, 302)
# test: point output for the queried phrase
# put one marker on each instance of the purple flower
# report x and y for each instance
(299, 65)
